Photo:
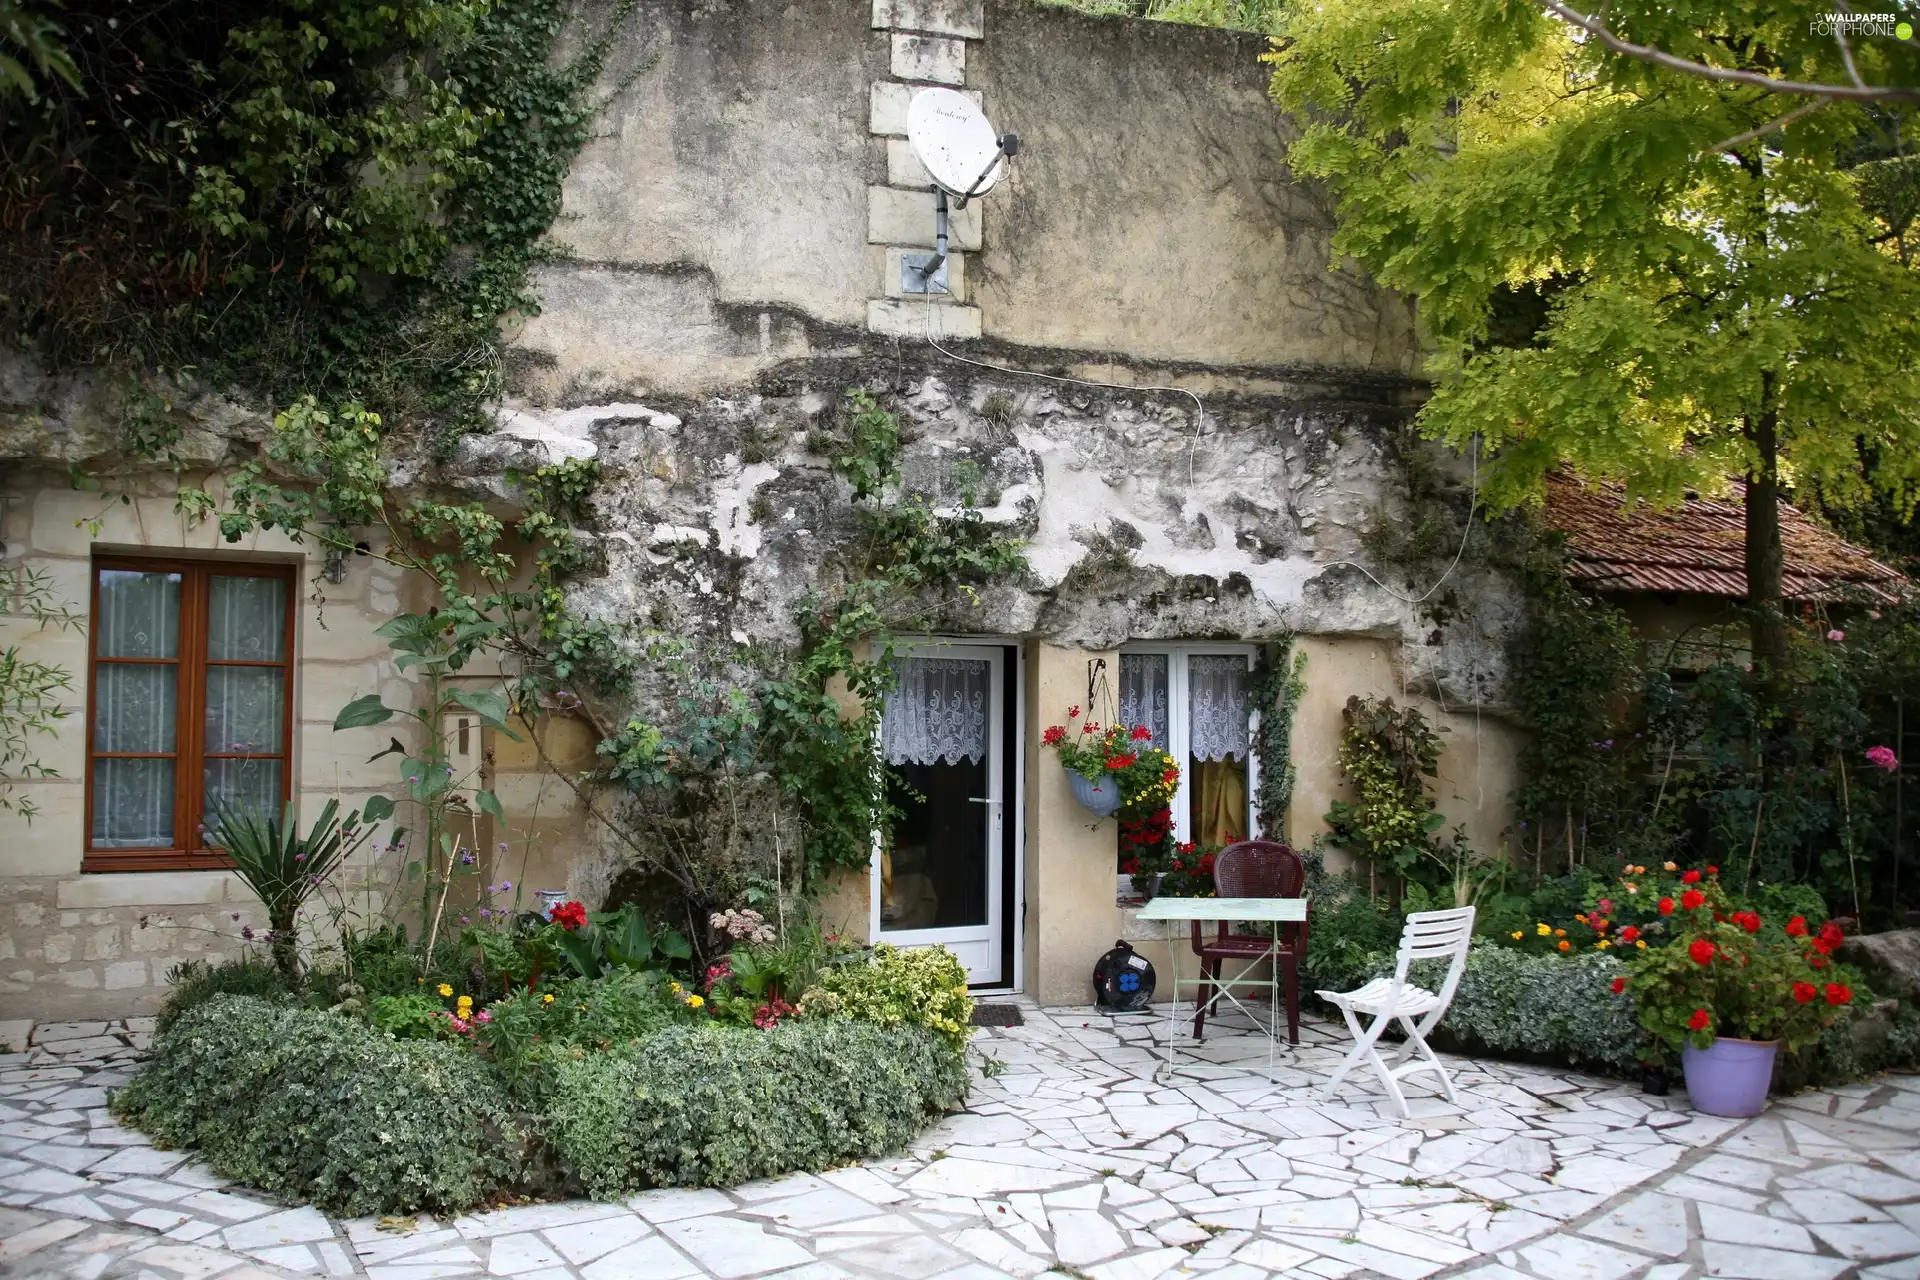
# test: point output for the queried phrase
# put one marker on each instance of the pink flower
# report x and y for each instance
(1836, 636)
(1882, 758)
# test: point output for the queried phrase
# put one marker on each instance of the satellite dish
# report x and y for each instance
(953, 140)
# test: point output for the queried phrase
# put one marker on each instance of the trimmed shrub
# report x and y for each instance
(715, 1106)
(316, 1107)
(194, 982)
(925, 987)
(1561, 1007)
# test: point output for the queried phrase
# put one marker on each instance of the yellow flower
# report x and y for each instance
(445, 989)
(1603, 944)
(1517, 935)
(547, 999)
(675, 986)
(465, 1002)
(1542, 929)
(1565, 945)
(694, 1002)
(1640, 943)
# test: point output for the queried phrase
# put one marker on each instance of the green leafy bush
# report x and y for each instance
(613, 1012)
(194, 982)
(316, 1107)
(925, 987)
(714, 1105)
(1561, 1007)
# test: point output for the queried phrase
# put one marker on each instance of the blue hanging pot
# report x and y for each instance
(1101, 799)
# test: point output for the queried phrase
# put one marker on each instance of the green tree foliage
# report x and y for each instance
(337, 198)
(1645, 274)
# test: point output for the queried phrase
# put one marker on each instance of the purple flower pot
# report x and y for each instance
(1101, 798)
(1731, 1077)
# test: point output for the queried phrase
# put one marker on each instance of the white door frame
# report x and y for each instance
(1008, 833)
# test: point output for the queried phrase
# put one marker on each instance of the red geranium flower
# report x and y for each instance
(1054, 736)
(1699, 1020)
(1630, 934)
(1819, 961)
(1797, 927)
(1691, 877)
(1804, 992)
(1831, 936)
(1712, 870)
(1141, 733)
(1692, 900)
(1666, 906)
(1073, 712)
(570, 916)
(1839, 993)
(1619, 985)
(1750, 921)
(1702, 951)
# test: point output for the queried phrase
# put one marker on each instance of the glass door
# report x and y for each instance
(938, 871)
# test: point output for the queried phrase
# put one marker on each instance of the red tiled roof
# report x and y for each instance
(1699, 548)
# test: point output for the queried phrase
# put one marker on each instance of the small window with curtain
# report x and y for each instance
(190, 705)
(1194, 701)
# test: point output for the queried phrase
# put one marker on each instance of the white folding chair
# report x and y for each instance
(1428, 935)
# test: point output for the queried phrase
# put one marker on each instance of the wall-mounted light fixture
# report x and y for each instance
(336, 569)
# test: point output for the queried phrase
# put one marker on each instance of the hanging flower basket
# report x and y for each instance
(1101, 798)
(1113, 767)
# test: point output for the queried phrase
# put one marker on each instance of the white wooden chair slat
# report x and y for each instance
(1426, 935)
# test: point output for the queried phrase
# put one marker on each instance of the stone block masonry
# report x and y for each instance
(927, 45)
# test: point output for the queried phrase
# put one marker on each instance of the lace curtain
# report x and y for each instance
(135, 708)
(1217, 726)
(1143, 693)
(938, 712)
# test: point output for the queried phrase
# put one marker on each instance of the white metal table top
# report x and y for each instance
(1278, 909)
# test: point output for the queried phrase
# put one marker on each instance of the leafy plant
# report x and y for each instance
(30, 690)
(1388, 753)
(924, 987)
(615, 940)
(318, 1108)
(715, 1106)
(283, 868)
(1724, 972)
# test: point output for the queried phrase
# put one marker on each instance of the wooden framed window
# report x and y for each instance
(190, 704)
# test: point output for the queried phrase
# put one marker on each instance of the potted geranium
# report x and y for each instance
(1729, 989)
(1112, 766)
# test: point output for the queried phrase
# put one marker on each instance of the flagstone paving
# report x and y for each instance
(1070, 1160)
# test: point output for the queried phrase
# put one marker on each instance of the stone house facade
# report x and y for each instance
(1145, 369)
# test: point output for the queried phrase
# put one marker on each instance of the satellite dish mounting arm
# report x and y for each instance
(1009, 147)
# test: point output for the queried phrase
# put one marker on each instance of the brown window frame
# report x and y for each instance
(191, 664)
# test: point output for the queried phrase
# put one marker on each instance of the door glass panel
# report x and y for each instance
(933, 870)
(246, 708)
(133, 804)
(134, 706)
(139, 615)
(247, 619)
(241, 784)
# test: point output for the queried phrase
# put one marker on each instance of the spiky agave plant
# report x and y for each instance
(283, 867)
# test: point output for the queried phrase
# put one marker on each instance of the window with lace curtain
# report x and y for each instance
(1194, 700)
(190, 705)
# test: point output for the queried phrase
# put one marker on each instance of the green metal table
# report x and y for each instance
(1185, 911)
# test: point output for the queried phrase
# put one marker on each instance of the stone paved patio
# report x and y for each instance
(1072, 1161)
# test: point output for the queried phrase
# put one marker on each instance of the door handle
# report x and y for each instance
(983, 800)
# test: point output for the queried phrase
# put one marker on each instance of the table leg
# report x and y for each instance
(1173, 995)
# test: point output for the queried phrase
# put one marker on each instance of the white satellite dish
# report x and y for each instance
(952, 138)
(964, 157)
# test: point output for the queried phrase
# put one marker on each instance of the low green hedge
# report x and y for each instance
(322, 1108)
(700, 1106)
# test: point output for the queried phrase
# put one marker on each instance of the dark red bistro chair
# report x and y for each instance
(1253, 869)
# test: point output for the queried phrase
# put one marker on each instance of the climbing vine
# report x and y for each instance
(1388, 752)
(1276, 687)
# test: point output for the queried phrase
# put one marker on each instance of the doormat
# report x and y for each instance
(997, 1015)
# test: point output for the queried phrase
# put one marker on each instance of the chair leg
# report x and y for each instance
(1362, 1045)
(1206, 995)
(1429, 1060)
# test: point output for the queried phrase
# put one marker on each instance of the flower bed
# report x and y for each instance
(609, 1082)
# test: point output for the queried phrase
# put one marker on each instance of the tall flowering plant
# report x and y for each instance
(1723, 972)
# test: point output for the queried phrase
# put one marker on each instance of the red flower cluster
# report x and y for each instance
(1120, 762)
(1619, 985)
(1630, 933)
(1748, 920)
(1692, 900)
(1828, 940)
(570, 916)
(1797, 927)
(1666, 906)
(1691, 877)
(1054, 736)
(718, 973)
(769, 1014)
(1140, 733)
(1149, 832)
(1702, 951)
(1699, 1020)
(1804, 992)
(1839, 993)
